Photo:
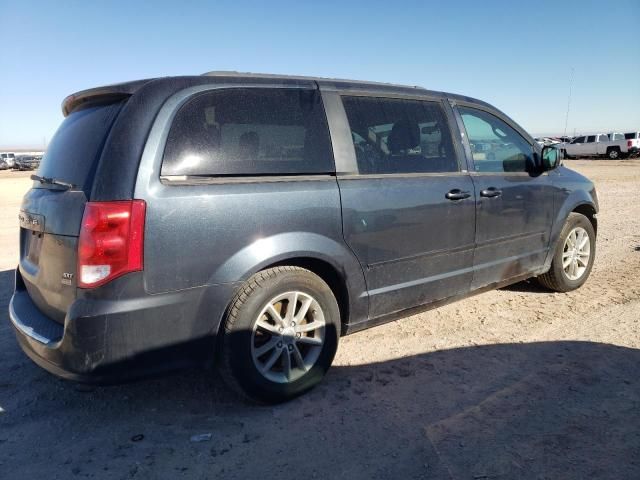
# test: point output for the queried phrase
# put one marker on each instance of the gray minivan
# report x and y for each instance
(251, 220)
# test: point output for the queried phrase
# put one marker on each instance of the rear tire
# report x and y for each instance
(574, 256)
(280, 335)
(613, 153)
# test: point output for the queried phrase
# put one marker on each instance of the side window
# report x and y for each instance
(495, 146)
(591, 138)
(578, 140)
(248, 132)
(400, 136)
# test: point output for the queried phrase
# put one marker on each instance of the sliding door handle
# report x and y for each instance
(457, 194)
(490, 192)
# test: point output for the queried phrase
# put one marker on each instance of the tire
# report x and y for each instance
(562, 279)
(251, 326)
(566, 155)
(613, 154)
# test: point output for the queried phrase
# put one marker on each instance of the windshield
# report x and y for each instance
(73, 153)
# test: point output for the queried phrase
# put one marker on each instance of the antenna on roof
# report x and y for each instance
(566, 119)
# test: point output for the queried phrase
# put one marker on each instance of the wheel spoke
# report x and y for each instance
(308, 327)
(275, 314)
(272, 359)
(298, 356)
(304, 308)
(268, 327)
(574, 268)
(566, 262)
(309, 340)
(583, 242)
(286, 364)
(266, 347)
(583, 259)
(291, 307)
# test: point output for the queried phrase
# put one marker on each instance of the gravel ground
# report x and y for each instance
(515, 383)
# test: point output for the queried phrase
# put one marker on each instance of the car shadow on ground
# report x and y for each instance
(537, 410)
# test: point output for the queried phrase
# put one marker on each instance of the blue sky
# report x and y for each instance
(515, 55)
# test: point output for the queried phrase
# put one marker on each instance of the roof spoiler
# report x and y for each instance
(107, 93)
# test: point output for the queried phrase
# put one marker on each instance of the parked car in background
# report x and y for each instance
(26, 162)
(250, 221)
(4, 165)
(633, 143)
(595, 146)
(8, 158)
(615, 136)
(545, 141)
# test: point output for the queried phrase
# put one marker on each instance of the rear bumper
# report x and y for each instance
(108, 341)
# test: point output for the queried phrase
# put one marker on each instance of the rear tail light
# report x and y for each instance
(111, 241)
(629, 143)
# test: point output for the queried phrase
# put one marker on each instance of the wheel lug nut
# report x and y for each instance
(298, 335)
(279, 344)
(293, 324)
(290, 347)
(281, 329)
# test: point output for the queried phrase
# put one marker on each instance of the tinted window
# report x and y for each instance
(630, 136)
(400, 136)
(591, 138)
(73, 153)
(578, 140)
(495, 146)
(249, 132)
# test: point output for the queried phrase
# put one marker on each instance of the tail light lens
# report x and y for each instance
(629, 143)
(111, 241)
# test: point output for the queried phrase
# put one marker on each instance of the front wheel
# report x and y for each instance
(280, 335)
(574, 255)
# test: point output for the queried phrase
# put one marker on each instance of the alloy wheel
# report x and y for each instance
(576, 253)
(288, 336)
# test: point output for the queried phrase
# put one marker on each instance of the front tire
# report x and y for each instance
(280, 335)
(574, 255)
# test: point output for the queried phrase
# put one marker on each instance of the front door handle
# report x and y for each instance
(457, 194)
(490, 192)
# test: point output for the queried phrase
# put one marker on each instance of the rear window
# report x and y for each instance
(631, 136)
(73, 153)
(248, 132)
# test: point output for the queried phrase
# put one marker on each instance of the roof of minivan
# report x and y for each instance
(125, 89)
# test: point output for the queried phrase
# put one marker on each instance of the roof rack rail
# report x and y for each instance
(233, 73)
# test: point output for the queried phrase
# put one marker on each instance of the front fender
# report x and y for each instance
(569, 198)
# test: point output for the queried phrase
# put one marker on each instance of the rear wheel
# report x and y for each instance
(280, 335)
(613, 153)
(574, 256)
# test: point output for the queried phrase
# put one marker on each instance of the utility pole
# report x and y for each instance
(566, 119)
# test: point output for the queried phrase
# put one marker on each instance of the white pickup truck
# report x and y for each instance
(596, 146)
(633, 142)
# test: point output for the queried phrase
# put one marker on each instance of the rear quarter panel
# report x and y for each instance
(223, 232)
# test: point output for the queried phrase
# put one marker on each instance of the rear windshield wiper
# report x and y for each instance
(53, 181)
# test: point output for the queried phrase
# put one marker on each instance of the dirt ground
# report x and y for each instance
(510, 384)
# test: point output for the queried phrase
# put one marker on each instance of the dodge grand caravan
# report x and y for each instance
(249, 221)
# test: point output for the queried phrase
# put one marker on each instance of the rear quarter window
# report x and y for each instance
(74, 150)
(249, 132)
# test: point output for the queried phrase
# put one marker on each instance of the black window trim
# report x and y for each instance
(460, 157)
(501, 116)
(177, 180)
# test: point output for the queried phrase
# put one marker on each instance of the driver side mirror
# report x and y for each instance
(551, 158)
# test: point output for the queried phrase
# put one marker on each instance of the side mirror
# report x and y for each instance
(551, 158)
